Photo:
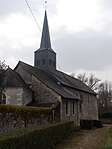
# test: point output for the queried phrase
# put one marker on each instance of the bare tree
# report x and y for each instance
(105, 97)
(3, 67)
(103, 89)
(91, 80)
(83, 77)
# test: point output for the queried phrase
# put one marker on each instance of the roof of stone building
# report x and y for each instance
(48, 80)
(57, 81)
(13, 79)
(72, 82)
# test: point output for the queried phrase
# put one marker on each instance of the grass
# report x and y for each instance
(108, 144)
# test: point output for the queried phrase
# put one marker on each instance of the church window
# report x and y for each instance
(3, 97)
(73, 107)
(66, 104)
(67, 108)
(43, 61)
(50, 62)
(38, 62)
(76, 93)
(81, 96)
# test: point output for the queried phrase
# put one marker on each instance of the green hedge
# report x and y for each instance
(37, 138)
(24, 111)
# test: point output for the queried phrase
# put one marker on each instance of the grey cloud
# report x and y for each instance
(85, 50)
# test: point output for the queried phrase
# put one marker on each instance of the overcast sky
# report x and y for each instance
(80, 30)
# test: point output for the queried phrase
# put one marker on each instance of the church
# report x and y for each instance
(44, 85)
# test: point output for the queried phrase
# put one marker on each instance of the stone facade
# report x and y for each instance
(18, 96)
(89, 107)
(43, 94)
(77, 109)
(86, 108)
(71, 111)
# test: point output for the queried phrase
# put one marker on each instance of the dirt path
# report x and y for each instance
(86, 139)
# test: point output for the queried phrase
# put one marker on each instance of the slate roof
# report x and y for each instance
(72, 82)
(57, 81)
(48, 80)
(13, 79)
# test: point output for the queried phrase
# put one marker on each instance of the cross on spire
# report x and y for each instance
(45, 5)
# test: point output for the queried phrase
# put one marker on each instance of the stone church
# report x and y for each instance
(44, 85)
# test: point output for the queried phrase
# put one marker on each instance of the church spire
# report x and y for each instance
(45, 57)
(45, 39)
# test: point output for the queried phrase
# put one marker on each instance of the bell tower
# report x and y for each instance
(45, 57)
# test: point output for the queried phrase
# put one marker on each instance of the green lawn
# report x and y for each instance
(108, 144)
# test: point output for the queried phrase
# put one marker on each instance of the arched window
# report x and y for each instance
(3, 97)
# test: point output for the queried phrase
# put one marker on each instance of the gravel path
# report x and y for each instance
(86, 139)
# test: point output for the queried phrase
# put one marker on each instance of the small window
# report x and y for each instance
(3, 97)
(76, 93)
(38, 62)
(67, 108)
(66, 104)
(81, 96)
(73, 107)
(50, 62)
(43, 61)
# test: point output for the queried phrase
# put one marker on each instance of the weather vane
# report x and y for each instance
(45, 5)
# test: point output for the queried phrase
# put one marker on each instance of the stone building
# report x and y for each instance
(14, 89)
(51, 87)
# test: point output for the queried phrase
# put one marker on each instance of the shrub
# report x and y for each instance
(37, 138)
(24, 111)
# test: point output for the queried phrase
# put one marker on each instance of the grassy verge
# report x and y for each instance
(108, 144)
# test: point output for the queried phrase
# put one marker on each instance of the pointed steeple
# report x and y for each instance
(45, 39)
(45, 57)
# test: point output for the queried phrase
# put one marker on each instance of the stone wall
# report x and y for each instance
(89, 107)
(43, 94)
(17, 117)
(73, 111)
(18, 96)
